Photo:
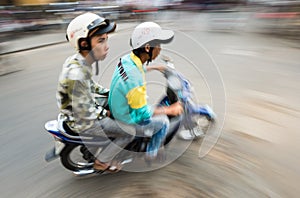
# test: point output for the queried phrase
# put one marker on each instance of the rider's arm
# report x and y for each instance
(172, 110)
(81, 94)
(137, 98)
(84, 102)
(137, 101)
(98, 89)
(160, 68)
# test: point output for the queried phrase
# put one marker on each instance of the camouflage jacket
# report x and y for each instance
(76, 93)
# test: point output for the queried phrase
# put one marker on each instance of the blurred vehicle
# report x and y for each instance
(26, 18)
(226, 20)
(53, 15)
(279, 17)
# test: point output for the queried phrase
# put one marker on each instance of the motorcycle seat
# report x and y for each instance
(69, 133)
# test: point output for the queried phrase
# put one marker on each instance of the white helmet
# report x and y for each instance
(82, 25)
(149, 31)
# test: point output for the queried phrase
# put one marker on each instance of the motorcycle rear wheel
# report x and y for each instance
(72, 159)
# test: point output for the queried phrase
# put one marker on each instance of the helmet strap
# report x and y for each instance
(97, 68)
(97, 62)
(150, 55)
(88, 47)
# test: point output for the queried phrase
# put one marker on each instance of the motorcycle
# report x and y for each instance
(190, 125)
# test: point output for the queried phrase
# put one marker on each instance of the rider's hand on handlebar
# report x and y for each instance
(172, 110)
(175, 109)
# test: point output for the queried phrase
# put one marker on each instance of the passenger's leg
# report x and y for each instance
(109, 128)
(122, 139)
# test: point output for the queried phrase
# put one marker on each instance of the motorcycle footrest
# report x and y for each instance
(51, 155)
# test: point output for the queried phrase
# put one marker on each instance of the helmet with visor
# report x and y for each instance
(85, 26)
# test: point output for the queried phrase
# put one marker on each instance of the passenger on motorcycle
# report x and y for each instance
(128, 96)
(88, 34)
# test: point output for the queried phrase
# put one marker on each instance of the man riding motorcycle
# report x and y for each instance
(128, 98)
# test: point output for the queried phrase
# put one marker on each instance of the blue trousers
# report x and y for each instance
(156, 128)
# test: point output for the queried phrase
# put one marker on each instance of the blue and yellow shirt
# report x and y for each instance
(128, 95)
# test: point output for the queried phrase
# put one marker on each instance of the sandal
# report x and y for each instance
(101, 167)
(114, 167)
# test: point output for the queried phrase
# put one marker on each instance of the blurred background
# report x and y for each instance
(31, 17)
(272, 16)
(248, 49)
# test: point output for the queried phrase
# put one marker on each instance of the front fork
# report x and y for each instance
(193, 123)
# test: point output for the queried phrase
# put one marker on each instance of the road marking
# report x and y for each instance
(239, 52)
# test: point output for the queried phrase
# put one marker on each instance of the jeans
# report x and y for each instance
(156, 127)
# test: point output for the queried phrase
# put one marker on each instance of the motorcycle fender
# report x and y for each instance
(55, 151)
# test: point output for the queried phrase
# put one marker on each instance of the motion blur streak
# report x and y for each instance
(257, 52)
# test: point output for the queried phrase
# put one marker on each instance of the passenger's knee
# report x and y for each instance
(131, 137)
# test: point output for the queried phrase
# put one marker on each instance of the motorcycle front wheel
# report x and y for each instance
(197, 128)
